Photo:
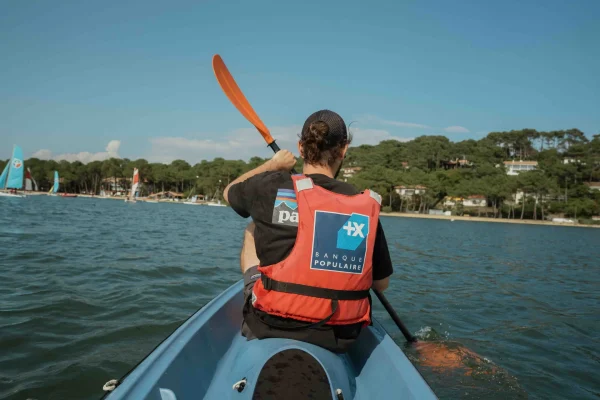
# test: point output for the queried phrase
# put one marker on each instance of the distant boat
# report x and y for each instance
(29, 180)
(54, 188)
(216, 203)
(68, 195)
(12, 176)
(134, 186)
(192, 201)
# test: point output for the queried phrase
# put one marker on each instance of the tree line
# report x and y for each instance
(555, 187)
(179, 176)
(567, 160)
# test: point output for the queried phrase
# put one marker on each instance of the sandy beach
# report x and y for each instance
(403, 215)
(483, 219)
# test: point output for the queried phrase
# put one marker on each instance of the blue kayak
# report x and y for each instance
(208, 358)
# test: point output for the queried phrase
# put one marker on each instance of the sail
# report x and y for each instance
(28, 180)
(30, 177)
(134, 182)
(15, 175)
(4, 175)
(55, 187)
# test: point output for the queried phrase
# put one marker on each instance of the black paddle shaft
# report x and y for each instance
(380, 296)
(394, 315)
(274, 147)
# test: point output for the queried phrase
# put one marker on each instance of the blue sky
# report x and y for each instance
(87, 80)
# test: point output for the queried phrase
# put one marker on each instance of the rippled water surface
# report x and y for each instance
(89, 286)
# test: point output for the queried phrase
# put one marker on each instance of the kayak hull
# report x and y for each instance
(207, 355)
(4, 194)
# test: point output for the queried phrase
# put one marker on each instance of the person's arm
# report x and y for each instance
(283, 160)
(381, 284)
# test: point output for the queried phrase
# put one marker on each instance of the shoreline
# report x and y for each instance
(121, 198)
(484, 219)
(395, 214)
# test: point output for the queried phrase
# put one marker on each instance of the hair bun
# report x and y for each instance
(323, 138)
(317, 134)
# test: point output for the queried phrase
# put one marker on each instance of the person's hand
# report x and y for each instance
(283, 160)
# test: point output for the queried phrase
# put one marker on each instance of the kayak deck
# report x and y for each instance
(207, 356)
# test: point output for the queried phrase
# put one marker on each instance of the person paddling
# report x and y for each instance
(315, 246)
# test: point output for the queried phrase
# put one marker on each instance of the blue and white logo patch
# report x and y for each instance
(285, 210)
(339, 242)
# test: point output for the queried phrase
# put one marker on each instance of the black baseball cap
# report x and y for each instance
(337, 127)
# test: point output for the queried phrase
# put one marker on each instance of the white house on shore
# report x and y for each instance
(476, 200)
(409, 191)
(593, 185)
(515, 167)
(571, 160)
(349, 172)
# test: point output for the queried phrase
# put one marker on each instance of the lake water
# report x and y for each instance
(89, 286)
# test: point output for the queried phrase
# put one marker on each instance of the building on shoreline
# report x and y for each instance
(349, 172)
(409, 191)
(168, 195)
(593, 186)
(456, 163)
(476, 200)
(513, 168)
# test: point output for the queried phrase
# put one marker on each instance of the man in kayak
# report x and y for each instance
(318, 242)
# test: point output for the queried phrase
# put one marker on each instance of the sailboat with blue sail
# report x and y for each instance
(54, 188)
(12, 176)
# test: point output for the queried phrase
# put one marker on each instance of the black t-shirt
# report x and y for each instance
(270, 200)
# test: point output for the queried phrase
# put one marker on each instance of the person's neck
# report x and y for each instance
(317, 169)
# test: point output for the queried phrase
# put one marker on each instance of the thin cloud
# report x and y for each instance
(111, 151)
(456, 129)
(240, 144)
(243, 144)
(373, 136)
(400, 124)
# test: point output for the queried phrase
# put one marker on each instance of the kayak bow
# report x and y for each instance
(207, 357)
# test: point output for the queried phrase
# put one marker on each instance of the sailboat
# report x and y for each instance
(193, 201)
(29, 180)
(54, 188)
(134, 186)
(12, 176)
(216, 202)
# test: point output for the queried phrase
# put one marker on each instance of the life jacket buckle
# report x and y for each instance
(266, 281)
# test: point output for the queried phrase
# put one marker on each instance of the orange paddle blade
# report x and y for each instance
(236, 97)
(440, 356)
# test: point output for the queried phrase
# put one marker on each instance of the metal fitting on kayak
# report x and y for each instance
(240, 385)
(110, 385)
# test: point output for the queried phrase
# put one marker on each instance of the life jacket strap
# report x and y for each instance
(312, 291)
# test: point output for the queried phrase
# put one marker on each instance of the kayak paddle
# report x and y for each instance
(237, 98)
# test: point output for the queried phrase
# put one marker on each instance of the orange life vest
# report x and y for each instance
(327, 276)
